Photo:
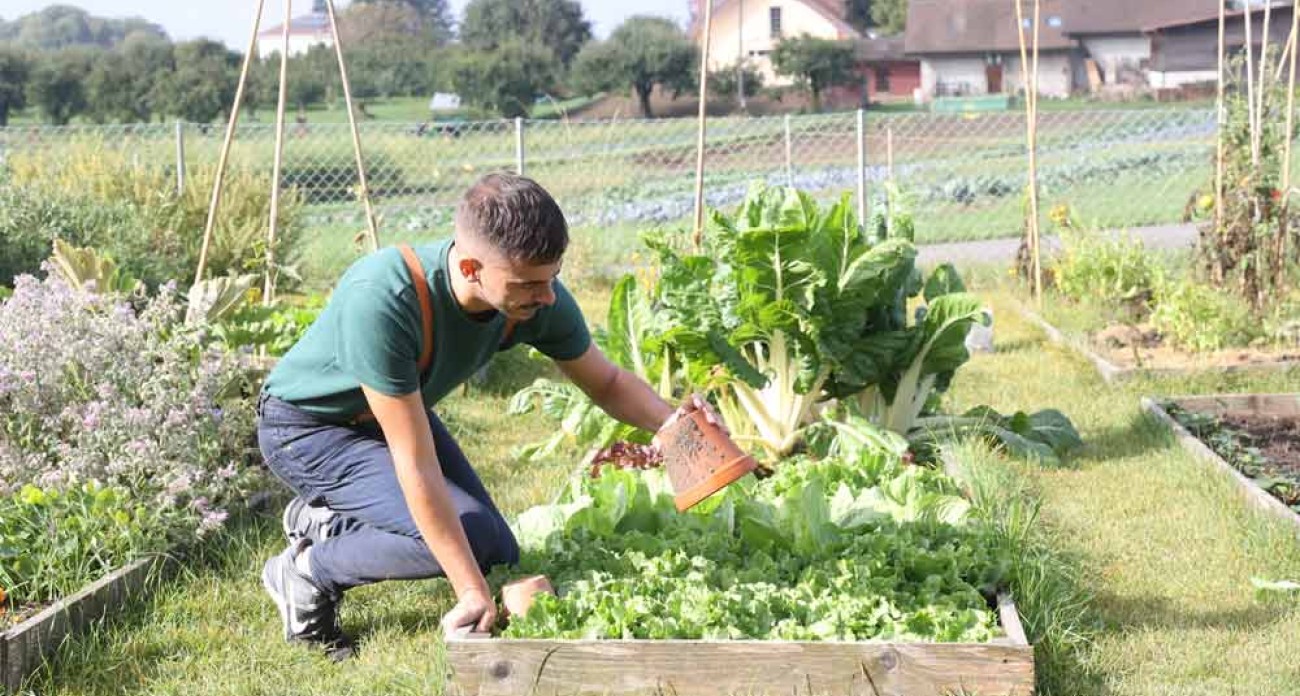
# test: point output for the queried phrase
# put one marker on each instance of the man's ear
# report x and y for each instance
(469, 269)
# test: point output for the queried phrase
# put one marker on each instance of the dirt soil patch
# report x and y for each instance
(1141, 346)
(1277, 438)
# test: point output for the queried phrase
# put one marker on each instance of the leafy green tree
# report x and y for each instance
(57, 85)
(61, 26)
(641, 53)
(123, 84)
(203, 85)
(505, 80)
(817, 63)
(14, 72)
(890, 16)
(435, 15)
(557, 24)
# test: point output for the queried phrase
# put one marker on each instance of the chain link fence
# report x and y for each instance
(963, 174)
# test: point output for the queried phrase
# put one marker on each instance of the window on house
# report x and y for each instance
(774, 18)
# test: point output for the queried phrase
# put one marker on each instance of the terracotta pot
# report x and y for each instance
(518, 596)
(701, 459)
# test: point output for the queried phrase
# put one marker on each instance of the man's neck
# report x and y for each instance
(461, 287)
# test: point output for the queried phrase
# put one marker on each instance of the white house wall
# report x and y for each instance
(726, 43)
(1114, 52)
(1053, 74)
(1174, 79)
(298, 43)
(953, 71)
(1054, 78)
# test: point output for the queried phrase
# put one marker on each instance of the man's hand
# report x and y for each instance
(474, 611)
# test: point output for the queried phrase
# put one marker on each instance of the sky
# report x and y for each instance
(230, 20)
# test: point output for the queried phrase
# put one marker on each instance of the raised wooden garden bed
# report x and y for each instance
(1285, 406)
(1112, 371)
(484, 666)
(25, 646)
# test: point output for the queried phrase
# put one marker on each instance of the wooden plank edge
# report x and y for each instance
(27, 644)
(1260, 499)
(17, 662)
(1010, 619)
(1251, 404)
(1109, 371)
(1112, 373)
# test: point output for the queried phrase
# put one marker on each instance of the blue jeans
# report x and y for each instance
(350, 469)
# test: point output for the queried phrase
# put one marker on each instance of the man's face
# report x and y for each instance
(517, 288)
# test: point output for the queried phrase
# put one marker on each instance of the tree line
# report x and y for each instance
(500, 57)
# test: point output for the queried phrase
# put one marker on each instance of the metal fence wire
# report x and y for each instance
(963, 174)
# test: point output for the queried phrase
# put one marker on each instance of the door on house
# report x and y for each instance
(993, 75)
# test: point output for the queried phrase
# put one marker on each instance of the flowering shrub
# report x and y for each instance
(93, 390)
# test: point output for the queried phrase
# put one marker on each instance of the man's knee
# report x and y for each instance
(490, 538)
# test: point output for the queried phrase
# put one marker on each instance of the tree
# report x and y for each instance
(641, 53)
(123, 84)
(506, 80)
(203, 85)
(558, 24)
(14, 72)
(434, 15)
(57, 85)
(889, 16)
(817, 63)
(62, 26)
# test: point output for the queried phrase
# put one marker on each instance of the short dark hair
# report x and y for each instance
(516, 216)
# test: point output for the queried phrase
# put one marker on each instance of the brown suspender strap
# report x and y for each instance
(426, 304)
(426, 319)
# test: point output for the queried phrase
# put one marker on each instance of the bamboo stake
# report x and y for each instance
(268, 285)
(1284, 224)
(1252, 113)
(699, 141)
(225, 145)
(1217, 267)
(1033, 169)
(372, 229)
(1284, 58)
(1263, 57)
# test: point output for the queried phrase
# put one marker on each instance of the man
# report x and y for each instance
(346, 420)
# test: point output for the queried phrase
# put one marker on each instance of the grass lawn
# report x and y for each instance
(1168, 546)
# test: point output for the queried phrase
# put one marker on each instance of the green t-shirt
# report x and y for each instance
(370, 333)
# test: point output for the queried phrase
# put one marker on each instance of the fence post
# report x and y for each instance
(789, 173)
(180, 158)
(862, 166)
(519, 145)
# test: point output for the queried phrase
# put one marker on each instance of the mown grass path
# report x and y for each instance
(1167, 545)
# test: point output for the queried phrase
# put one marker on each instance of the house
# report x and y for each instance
(1185, 51)
(972, 46)
(305, 31)
(749, 30)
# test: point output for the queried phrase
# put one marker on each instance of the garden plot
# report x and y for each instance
(851, 572)
(1254, 438)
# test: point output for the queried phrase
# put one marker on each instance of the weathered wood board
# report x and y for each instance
(1244, 404)
(507, 667)
(24, 647)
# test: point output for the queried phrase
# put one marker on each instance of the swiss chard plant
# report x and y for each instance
(776, 306)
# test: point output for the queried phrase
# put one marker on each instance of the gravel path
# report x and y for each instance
(1004, 250)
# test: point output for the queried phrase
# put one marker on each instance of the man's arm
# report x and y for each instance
(415, 459)
(617, 391)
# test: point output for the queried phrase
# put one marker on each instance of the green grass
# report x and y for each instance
(1168, 544)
